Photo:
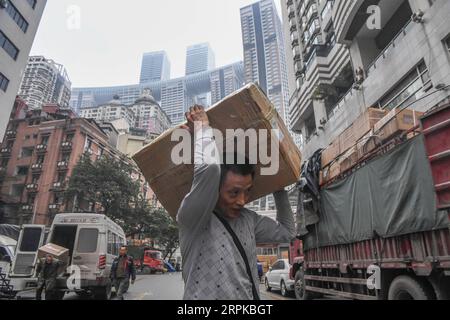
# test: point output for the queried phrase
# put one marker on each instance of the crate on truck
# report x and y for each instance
(383, 230)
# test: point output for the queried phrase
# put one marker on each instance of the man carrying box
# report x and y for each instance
(218, 236)
(47, 272)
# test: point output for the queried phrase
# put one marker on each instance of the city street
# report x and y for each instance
(162, 287)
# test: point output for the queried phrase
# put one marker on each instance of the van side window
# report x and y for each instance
(110, 242)
(87, 240)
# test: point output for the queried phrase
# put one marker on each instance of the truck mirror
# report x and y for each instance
(7, 258)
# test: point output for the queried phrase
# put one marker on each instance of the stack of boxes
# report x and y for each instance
(368, 132)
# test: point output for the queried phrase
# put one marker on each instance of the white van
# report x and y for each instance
(7, 249)
(93, 241)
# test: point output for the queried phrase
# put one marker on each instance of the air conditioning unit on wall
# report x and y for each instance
(3, 4)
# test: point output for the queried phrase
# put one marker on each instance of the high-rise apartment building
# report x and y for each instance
(155, 67)
(224, 82)
(347, 56)
(264, 53)
(199, 58)
(19, 21)
(45, 81)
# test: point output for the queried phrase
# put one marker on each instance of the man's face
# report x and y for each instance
(123, 251)
(234, 194)
(49, 259)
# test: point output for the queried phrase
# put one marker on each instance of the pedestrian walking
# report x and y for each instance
(122, 271)
(47, 272)
(218, 235)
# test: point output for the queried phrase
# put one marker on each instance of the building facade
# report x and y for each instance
(347, 56)
(199, 58)
(155, 67)
(38, 155)
(45, 81)
(224, 82)
(174, 96)
(148, 115)
(110, 111)
(19, 21)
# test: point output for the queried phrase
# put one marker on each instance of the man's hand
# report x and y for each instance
(196, 114)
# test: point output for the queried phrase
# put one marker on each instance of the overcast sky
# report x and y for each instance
(107, 47)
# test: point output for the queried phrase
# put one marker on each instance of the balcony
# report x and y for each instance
(297, 53)
(41, 148)
(5, 151)
(27, 208)
(63, 165)
(58, 186)
(289, 3)
(292, 25)
(291, 12)
(37, 167)
(54, 207)
(294, 38)
(11, 134)
(66, 145)
(32, 188)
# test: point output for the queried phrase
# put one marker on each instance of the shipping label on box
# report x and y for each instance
(247, 110)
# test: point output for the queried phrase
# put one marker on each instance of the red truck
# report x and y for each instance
(406, 258)
(151, 262)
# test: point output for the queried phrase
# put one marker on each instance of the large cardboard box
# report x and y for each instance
(360, 127)
(331, 153)
(331, 172)
(58, 252)
(348, 159)
(396, 122)
(367, 144)
(248, 108)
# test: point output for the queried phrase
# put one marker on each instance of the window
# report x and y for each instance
(27, 152)
(22, 171)
(4, 82)
(87, 240)
(8, 46)
(16, 16)
(45, 139)
(409, 89)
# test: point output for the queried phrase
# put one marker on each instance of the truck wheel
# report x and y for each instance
(408, 288)
(103, 293)
(300, 285)
(266, 283)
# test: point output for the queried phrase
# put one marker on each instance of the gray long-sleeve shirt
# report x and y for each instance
(213, 268)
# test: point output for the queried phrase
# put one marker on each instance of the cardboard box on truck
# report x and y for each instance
(58, 252)
(331, 153)
(396, 122)
(360, 127)
(248, 108)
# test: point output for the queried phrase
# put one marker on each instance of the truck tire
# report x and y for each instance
(103, 293)
(300, 292)
(408, 288)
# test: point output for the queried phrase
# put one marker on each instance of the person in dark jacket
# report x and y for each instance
(47, 272)
(122, 270)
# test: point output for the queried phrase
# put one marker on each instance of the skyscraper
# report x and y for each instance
(199, 58)
(264, 53)
(155, 67)
(45, 81)
(19, 21)
(225, 81)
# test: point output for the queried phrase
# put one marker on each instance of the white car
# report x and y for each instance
(278, 277)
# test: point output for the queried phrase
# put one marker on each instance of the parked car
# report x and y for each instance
(278, 277)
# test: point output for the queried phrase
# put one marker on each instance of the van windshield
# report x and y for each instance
(87, 240)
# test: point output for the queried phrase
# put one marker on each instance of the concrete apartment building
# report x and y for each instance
(45, 81)
(341, 62)
(38, 155)
(19, 21)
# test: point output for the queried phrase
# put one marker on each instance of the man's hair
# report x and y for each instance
(236, 167)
